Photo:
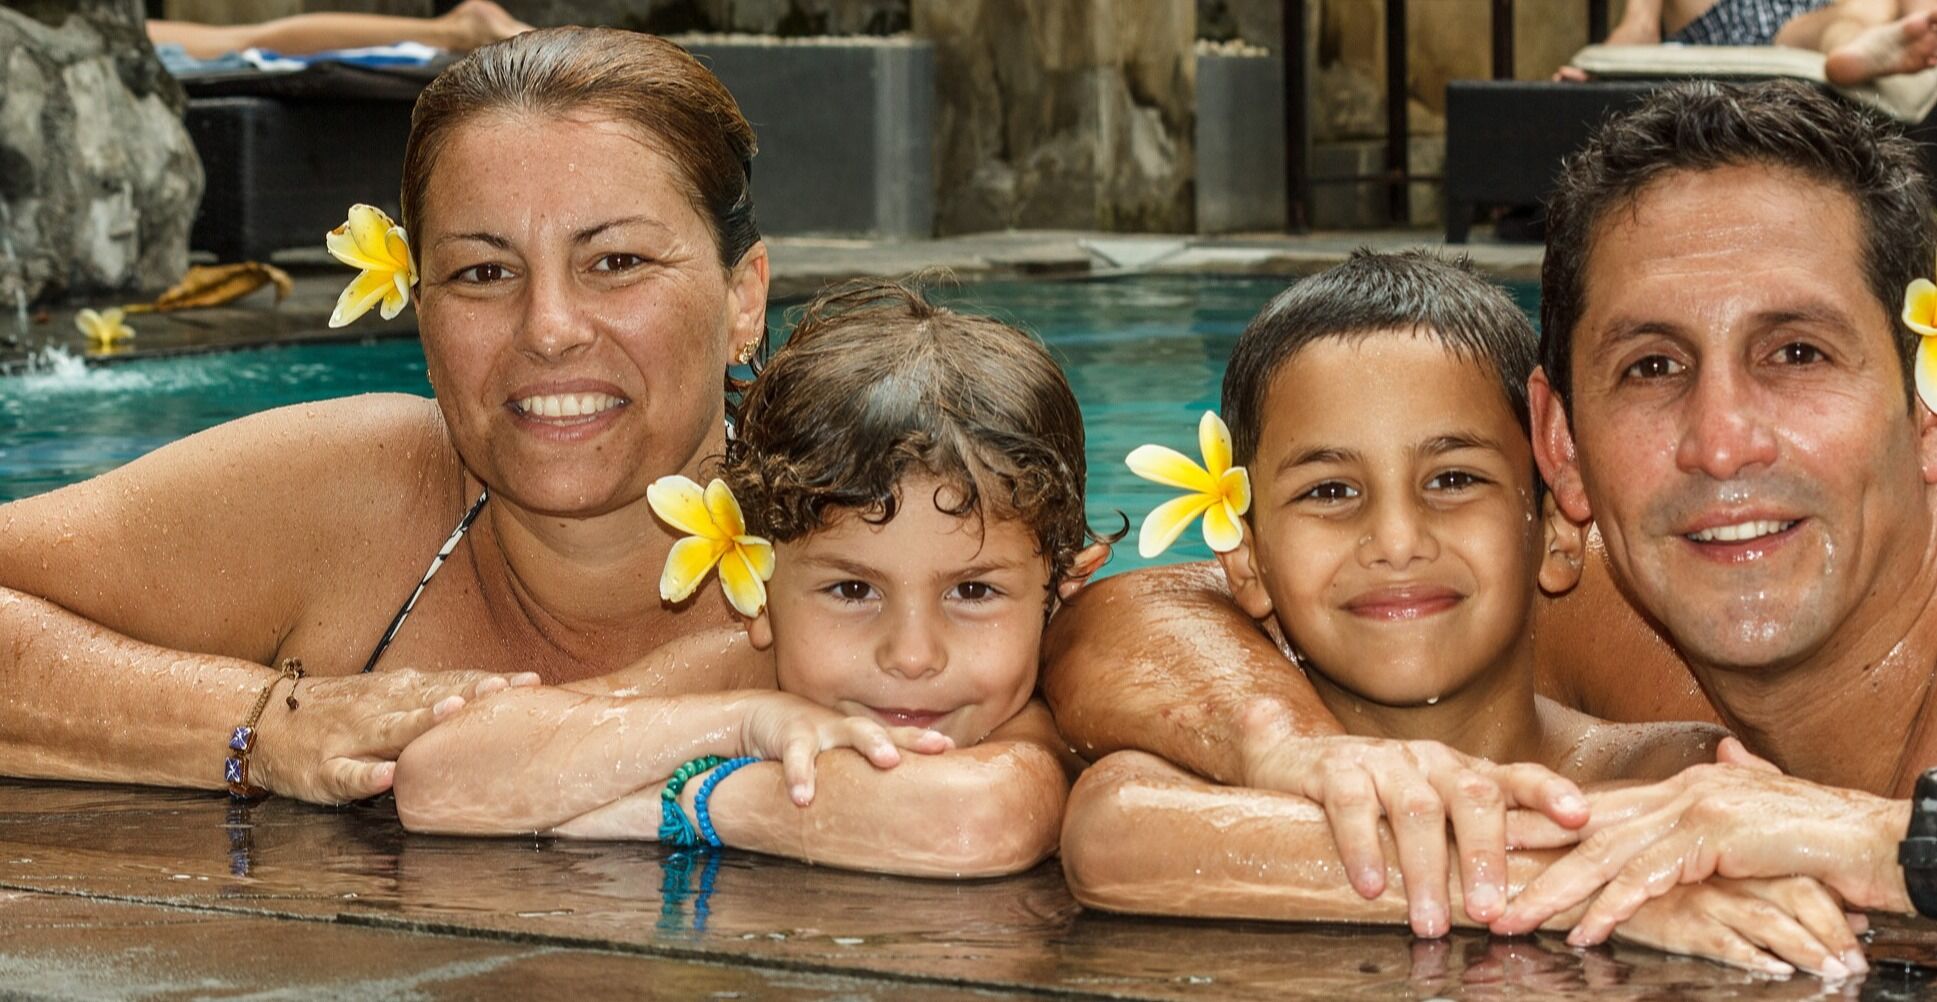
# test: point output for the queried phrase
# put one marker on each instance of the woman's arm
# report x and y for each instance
(140, 608)
(985, 811)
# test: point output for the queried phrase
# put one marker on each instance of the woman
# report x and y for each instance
(579, 206)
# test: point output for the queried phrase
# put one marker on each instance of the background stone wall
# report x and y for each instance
(98, 178)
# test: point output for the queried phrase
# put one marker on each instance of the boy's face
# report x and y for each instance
(928, 621)
(1392, 528)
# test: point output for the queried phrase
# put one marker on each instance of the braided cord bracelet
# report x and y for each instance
(674, 829)
(727, 768)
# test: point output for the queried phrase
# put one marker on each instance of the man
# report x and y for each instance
(1864, 39)
(1726, 392)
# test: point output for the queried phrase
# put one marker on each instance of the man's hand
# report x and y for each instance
(1771, 926)
(1417, 786)
(1729, 820)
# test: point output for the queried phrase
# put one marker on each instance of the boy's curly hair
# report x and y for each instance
(877, 383)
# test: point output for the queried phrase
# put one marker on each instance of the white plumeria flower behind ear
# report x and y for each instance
(716, 534)
(371, 241)
(1218, 491)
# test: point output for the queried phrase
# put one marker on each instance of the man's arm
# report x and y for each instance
(1164, 661)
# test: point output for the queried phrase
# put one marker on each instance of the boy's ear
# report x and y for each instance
(1241, 572)
(1564, 547)
(760, 631)
(1089, 560)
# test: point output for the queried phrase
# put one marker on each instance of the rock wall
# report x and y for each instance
(98, 179)
(1075, 114)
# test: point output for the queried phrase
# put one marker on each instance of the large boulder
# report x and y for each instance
(98, 178)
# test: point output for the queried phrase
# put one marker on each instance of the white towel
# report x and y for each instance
(1907, 97)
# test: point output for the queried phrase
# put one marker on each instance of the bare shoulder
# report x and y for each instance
(1588, 749)
(213, 542)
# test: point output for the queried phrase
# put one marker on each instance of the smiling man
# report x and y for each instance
(1727, 395)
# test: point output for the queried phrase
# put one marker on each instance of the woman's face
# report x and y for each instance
(575, 315)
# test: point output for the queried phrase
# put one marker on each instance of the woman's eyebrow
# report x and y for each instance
(481, 237)
(592, 231)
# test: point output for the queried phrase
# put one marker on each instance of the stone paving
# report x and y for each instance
(800, 266)
(125, 892)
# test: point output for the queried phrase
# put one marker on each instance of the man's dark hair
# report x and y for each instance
(1369, 294)
(1702, 126)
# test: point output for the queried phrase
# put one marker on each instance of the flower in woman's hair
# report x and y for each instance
(1218, 491)
(103, 329)
(1920, 315)
(716, 535)
(370, 240)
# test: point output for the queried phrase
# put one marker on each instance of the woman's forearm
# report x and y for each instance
(1163, 661)
(79, 701)
(1143, 836)
(530, 760)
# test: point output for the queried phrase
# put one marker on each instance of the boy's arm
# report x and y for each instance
(992, 809)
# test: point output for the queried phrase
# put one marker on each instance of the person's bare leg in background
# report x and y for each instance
(465, 27)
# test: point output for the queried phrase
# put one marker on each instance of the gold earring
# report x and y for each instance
(746, 352)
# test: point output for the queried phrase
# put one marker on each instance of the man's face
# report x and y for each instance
(1741, 434)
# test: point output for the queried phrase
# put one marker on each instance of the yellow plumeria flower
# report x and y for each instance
(104, 329)
(1920, 315)
(370, 240)
(1218, 491)
(717, 535)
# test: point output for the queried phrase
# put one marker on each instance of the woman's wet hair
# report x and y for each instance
(1784, 125)
(1374, 293)
(877, 385)
(678, 106)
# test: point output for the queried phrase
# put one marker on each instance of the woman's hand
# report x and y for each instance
(1770, 926)
(1417, 786)
(342, 740)
(786, 727)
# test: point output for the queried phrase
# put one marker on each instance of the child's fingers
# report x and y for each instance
(1479, 816)
(1418, 821)
(865, 736)
(1821, 914)
(1352, 807)
(797, 764)
(1537, 788)
(921, 739)
(1781, 935)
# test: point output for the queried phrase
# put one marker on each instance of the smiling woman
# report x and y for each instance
(582, 218)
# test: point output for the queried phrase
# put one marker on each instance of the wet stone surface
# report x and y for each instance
(122, 892)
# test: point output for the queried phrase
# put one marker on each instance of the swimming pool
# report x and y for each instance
(1145, 356)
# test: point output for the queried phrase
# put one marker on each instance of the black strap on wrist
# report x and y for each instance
(1917, 853)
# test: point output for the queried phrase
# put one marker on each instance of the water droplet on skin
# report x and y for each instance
(1433, 701)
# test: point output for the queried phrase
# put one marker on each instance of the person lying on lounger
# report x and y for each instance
(462, 28)
(1864, 39)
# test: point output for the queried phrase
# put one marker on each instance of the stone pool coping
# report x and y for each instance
(801, 265)
(125, 892)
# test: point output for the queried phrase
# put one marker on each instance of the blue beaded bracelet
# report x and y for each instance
(674, 829)
(728, 768)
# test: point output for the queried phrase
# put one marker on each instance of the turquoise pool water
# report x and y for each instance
(1145, 356)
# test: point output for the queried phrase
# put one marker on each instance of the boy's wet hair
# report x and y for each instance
(1374, 293)
(877, 384)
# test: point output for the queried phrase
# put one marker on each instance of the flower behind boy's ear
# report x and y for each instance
(1218, 491)
(717, 534)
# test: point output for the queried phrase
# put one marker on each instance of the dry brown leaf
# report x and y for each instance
(214, 285)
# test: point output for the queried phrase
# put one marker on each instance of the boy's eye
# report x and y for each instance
(1454, 480)
(974, 591)
(853, 591)
(618, 262)
(1654, 367)
(1330, 490)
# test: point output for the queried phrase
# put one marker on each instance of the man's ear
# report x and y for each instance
(1564, 546)
(1089, 560)
(1553, 449)
(1241, 572)
(1926, 433)
(747, 299)
(760, 631)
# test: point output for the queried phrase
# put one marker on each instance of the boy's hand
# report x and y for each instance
(1771, 926)
(795, 731)
(1417, 786)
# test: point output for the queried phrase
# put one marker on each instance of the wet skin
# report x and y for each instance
(1741, 434)
(929, 620)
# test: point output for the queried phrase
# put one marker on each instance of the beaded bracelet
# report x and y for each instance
(727, 768)
(674, 829)
(242, 740)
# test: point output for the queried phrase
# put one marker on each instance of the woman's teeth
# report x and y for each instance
(1740, 531)
(565, 405)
